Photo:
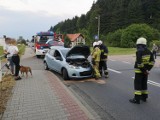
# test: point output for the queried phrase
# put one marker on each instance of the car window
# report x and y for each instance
(57, 54)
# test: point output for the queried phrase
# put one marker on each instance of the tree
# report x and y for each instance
(67, 41)
(21, 40)
(115, 14)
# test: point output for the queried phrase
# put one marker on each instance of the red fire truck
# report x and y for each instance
(41, 47)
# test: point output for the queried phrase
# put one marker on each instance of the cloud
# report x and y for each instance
(27, 17)
(26, 24)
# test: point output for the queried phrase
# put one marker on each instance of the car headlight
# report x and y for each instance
(74, 67)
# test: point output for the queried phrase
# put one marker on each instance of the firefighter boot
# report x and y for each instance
(144, 97)
(100, 71)
(106, 73)
(135, 100)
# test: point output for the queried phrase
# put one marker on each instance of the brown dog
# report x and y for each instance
(24, 69)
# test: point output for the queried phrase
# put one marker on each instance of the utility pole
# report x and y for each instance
(98, 25)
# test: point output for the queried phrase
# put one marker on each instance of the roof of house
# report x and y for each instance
(73, 37)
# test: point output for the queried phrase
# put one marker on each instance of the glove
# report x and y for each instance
(146, 72)
(93, 62)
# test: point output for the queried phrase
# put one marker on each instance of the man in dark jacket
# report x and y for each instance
(103, 59)
(144, 63)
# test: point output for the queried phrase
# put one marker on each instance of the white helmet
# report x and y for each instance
(100, 42)
(95, 43)
(141, 40)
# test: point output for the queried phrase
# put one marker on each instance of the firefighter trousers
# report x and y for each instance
(103, 67)
(140, 86)
(96, 70)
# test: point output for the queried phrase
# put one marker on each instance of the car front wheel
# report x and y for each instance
(46, 66)
(65, 74)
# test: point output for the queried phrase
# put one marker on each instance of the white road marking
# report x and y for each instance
(152, 83)
(115, 71)
(126, 62)
(112, 60)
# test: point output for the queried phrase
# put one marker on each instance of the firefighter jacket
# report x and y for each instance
(144, 60)
(96, 54)
(104, 52)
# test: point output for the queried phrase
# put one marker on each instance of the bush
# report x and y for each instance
(127, 37)
(133, 32)
(113, 39)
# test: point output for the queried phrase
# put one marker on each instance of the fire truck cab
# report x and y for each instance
(41, 47)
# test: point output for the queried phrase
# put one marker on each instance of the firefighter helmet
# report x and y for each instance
(142, 41)
(100, 42)
(95, 43)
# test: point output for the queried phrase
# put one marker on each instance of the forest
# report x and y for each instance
(117, 17)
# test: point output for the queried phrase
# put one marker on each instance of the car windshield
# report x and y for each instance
(64, 52)
(53, 42)
(44, 39)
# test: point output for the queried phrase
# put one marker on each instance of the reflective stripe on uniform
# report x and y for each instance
(138, 93)
(144, 92)
(140, 65)
(137, 71)
(145, 59)
(105, 54)
(151, 63)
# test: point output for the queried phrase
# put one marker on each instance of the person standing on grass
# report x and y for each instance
(13, 51)
(10, 64)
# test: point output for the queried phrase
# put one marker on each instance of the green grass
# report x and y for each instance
(1, 50)
(21, 48)
(120, 51)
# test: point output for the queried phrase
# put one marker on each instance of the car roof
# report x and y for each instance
(59, 48)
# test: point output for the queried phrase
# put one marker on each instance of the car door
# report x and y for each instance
(50, 58)
(57, 63)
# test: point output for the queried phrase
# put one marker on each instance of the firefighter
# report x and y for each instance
(103, 59)
(143, 64)
(96, 59)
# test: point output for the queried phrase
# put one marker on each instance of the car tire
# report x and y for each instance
(65, 74)
(46, 66)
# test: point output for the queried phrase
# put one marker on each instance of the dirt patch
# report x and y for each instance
(6, 86)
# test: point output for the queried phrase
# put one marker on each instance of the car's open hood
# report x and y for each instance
(79, 50)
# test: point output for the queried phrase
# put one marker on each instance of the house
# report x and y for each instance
(2, 42)
(76, 39)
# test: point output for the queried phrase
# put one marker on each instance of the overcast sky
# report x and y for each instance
(27, 17)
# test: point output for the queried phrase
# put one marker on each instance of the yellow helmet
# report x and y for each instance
(142, 41)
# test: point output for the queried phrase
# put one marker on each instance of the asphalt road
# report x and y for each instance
(109, 98)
